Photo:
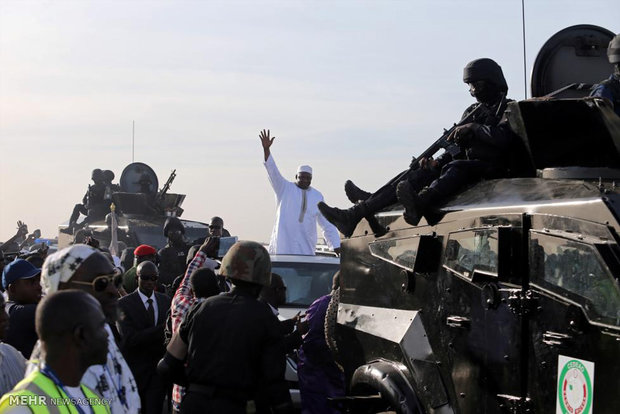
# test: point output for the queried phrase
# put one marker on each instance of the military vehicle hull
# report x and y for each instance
(136, 230)
(140, 211)
(511, 301)
(465, 316)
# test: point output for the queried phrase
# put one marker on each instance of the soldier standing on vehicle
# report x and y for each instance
(484, 146)
(232, 342)
(294, 231)
(610, 88)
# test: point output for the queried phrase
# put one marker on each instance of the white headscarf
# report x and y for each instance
(60, 266)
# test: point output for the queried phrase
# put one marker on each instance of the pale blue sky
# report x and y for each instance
(353, 88)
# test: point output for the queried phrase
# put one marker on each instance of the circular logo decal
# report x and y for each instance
(575, 389)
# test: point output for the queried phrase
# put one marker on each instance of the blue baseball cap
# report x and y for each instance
(16, 270)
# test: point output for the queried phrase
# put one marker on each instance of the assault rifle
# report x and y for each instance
(443, 143)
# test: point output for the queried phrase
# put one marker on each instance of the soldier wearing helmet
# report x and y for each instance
(483, 142)
(610, 88)
(92, 203)
(173, 256)
(231, 343)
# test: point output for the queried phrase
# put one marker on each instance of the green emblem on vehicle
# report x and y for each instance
(575, 390)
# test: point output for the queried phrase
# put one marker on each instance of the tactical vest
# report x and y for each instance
(42, 396)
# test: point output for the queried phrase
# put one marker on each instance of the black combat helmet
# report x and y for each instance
(173, 223)
(96, 175)
(613, 50)
(485, 69)
(108, 176)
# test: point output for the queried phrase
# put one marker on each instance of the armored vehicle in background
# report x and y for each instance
(141, 210)
(511, 302)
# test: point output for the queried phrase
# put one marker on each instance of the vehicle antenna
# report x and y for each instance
(524, 56)
(133, 138)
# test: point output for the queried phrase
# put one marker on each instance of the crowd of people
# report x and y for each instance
(178, 330)
(159, 331)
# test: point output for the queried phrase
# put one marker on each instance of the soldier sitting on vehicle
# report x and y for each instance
(108, 177)
(483, 142)
(610, 88)
(92, 204)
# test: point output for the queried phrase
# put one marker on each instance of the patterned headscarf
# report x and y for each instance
(60, 266)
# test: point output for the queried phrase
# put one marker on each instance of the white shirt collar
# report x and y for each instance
(144, 297)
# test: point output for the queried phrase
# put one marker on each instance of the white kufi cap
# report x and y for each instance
(304, 168)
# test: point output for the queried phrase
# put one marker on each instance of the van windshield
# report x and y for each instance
(305, 282)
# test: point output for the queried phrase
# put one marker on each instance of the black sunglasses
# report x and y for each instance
(101, 283)
(154, 278)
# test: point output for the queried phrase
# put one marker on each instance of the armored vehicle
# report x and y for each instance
(140, 210)
(511, 302)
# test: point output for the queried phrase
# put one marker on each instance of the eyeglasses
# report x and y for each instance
(154, 278)
(101, 283)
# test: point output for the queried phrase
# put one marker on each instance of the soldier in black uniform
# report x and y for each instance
(92, 203)
(232, 342)
(172, 257)
(484, 143)
(610, 88)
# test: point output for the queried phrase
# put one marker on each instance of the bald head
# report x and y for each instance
(147, 268)
(60, 312)
(71, 325)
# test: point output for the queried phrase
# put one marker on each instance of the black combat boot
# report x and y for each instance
(377, 229)
(354, 193)
(344, 220)
(410, 201)
(430, 200)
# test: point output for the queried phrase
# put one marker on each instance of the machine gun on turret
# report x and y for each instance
(162, 193)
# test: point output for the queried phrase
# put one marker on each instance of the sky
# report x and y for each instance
(353, 88)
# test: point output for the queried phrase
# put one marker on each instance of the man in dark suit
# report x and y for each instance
(141, 325)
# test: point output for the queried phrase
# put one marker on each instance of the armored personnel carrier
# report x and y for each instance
(140, 210)
(511, 302)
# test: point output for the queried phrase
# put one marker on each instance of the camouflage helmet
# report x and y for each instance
(613, 50)
(485, 69)
(247, 261)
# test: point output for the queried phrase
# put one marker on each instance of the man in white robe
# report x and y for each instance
(297, 214)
